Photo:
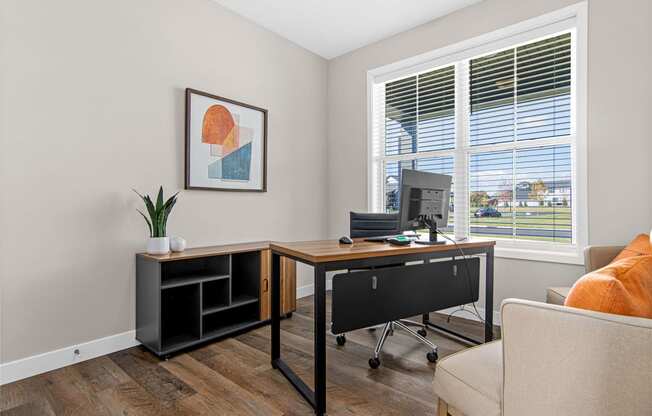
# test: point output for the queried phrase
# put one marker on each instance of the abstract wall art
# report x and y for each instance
(226, 144)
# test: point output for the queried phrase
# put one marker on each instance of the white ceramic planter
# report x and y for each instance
(158, 245)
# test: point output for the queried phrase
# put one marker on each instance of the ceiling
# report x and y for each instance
(334, 27)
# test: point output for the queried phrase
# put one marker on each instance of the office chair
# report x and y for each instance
(375, 225)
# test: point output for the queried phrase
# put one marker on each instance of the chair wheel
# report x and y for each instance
(372, 329)
(422, 332)
(432, 356)
(374, 363)
(288, 315)
(341, 340)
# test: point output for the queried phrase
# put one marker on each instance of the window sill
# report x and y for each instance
(548, 256)
(533, 252)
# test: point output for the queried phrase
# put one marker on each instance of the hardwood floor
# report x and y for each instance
(234, 377)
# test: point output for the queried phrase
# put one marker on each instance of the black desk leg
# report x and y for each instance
(489, 297)
(320, 340)
(276, 308)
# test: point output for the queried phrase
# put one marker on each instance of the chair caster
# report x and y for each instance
(372, 329)
(288, 315)
(374, 363)
(432, 356)
(341, 340)
(422, 332)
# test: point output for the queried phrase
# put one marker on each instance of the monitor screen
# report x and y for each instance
(423, 194)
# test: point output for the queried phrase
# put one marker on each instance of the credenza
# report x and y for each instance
(205, 293)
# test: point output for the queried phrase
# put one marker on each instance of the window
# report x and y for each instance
(501, 117)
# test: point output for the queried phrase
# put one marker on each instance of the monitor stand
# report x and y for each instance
(432, 233)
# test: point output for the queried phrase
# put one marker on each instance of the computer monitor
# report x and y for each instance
(425, 198)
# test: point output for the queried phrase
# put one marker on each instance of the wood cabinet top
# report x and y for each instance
(331, 250)
(198, 252)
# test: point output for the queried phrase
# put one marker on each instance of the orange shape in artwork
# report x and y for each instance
(220, 128)
(231, 142)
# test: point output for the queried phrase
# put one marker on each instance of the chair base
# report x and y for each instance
(403, 324)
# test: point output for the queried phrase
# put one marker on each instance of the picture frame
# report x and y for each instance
(225, 144)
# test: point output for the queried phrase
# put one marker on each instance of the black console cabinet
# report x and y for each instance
(183, 299)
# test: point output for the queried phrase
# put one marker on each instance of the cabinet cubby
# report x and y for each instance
(192, 271)
(216, 294)
(245, 280)
(230, 320)
(179, 316)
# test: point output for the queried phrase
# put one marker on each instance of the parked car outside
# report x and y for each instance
(487, 212)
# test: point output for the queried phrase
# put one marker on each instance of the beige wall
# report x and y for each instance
(619, 126)
(96, 106)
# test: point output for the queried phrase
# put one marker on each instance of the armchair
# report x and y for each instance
(552, 360)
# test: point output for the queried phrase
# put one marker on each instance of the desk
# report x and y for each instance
(329, 255)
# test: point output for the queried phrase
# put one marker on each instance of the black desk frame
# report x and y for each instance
(317, 398)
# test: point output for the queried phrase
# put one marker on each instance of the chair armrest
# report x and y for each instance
(596, 257)
(566, 361)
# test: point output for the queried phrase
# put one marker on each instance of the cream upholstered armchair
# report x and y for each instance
(552, 360)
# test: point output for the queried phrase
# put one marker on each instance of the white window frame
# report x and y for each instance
(572, 18)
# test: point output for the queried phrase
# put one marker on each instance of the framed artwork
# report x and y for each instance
(226, 144)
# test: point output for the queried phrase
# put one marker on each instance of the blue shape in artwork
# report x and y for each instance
(215, 170)
(236, 165)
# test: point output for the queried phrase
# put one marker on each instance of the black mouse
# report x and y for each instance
(346, 240)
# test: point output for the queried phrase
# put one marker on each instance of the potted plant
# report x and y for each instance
(158, 242)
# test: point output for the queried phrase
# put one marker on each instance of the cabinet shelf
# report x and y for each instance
(192, 279)
(179, 341)
(237, 302)
(230, 329)
(230, 319)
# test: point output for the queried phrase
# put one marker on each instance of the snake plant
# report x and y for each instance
(158, 214)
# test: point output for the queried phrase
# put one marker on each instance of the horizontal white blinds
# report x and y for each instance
(492, 98)
(420, 113)
(522, 194)
(521, 93)
(543, 72)
(513, 161)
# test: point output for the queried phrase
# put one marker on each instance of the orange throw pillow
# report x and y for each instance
(639, 246)
(623, 287)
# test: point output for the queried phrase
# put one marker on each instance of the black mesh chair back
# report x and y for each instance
(363, 224)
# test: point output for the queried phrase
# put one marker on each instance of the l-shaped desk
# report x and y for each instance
(330, 255)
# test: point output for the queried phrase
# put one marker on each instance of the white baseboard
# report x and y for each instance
(52, 360)
(308, 290)
(471, 315)
(48, 361)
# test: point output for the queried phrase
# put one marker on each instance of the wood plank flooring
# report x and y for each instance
(234, 377)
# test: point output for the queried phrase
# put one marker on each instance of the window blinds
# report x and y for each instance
(420, 113)
(515, 161)
(521, 93)
(529, 191)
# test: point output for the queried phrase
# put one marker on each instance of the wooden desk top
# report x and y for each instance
(324, 251)
(195, 253)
